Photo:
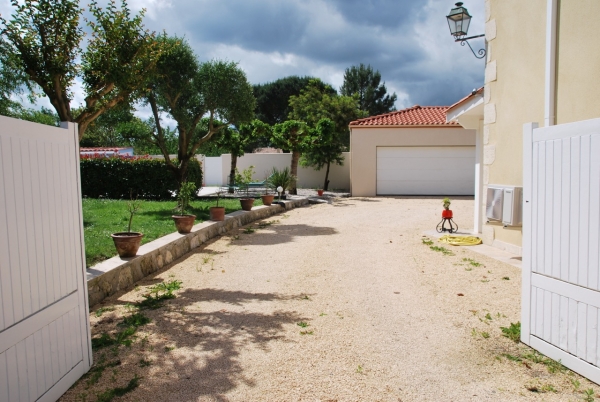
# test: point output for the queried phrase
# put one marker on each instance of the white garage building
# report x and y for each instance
(414, 151)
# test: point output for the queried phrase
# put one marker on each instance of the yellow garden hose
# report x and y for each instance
(460, 240)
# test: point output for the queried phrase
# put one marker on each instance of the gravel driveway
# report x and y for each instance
(339, 302)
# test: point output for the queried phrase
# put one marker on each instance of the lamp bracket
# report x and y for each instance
(480, 52)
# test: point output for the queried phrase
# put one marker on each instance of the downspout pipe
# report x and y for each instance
(550, 80)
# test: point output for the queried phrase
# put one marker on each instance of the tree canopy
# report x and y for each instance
(314, 104)
(272, 98)
(186, 91)
(291, 135)
(363, 82)
(44, 36)
(323, 148)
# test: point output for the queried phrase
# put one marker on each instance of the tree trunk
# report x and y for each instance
(326, 185)
(232, 173)
(294, 171)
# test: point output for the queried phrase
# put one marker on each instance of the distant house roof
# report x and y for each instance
(107, 151)
(425, 116)
(475, 92)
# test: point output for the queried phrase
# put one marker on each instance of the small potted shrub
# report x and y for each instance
(183, 221)
(128, 243)
(281, 178)
(319, 192)
(447, 212)
(217, 213)
(267, 198)
(242, 180)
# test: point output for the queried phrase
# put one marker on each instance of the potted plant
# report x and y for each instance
(217, 213)
(319, 192)
(447, 212)
(242, 180)
(267, 199)
(183, 221)
(128, 243)
(281, 178)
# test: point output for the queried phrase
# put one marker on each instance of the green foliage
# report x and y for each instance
(133, 205)
(272, 98)
(324, 148)
(102, 216)
(45, 38)
(130, 323)
(146, 178)
(364, 83)
(42, 116)
(442, 250)
(244, 177)
(159, 293)
(427, 241)
(187, 90)
(293, 136)
(184, 195)
(513, 332)
(281, 178)
(315, 103)
(110, 394)
(446, 203)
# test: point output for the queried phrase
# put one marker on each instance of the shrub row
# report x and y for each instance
(147, 178)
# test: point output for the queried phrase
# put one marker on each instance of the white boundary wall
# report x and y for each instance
(44, 324)
(339, 176)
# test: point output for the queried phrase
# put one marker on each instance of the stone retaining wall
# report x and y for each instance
(115, 274)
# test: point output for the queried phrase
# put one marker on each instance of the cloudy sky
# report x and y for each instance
(407, 41)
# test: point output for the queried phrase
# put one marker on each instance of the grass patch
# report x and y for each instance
(131, 324)
(102, 217)
(109, 395)
(513, 332)
(442, 250)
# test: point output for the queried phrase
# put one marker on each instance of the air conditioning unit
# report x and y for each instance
(505, 204)
(512, 209)
(494, 202)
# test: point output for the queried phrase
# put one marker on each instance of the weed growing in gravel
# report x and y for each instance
(302, 324)
(145, 363)
(505, 278)
(427, 241)
(102, 310)
(109, 395)
(322, 314)
(442, 250)
(485, 335)
(306, 332)
(472, 262)
(169, 348)
(305, 297)
(263, 225)
(513, 332)
(96, 372)
(123, 337)
(249, 230)
(359, 369)
(158, 293)
(589, 395)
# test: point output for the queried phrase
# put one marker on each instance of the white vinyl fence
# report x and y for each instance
(561, 244)
(44, 326)
(216, 170)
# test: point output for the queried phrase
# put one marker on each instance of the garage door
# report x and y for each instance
(425, 170)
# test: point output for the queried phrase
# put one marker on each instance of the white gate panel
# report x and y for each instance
(561, 244)
(44, 324)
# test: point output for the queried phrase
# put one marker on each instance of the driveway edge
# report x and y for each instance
(116, 274)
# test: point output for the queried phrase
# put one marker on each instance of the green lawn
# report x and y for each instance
(101, 218)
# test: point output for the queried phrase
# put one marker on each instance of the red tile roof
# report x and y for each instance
(413, 116)
(101, 149)
(473, 93)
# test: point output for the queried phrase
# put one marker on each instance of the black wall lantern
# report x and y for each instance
(459, 20)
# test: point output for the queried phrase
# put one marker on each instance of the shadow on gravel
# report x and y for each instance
(278, 233)
(213, 339)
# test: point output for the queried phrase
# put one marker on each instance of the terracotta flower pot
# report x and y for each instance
(184, 223)
(217, 213)
(320, 192)
(127, 243)
(267, 199)
(447, 213)
(247, 203)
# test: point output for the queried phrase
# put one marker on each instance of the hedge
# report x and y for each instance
(147, 178)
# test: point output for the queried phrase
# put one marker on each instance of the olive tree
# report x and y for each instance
(292, 135)
(45, 38)
(187, 91)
